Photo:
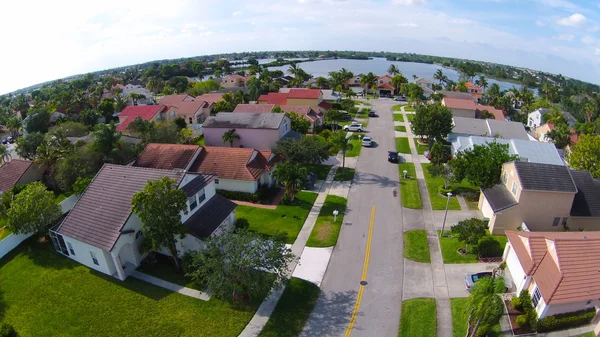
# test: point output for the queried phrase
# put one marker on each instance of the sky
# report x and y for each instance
(46, 40)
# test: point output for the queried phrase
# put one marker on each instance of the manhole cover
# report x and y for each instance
(363, 283)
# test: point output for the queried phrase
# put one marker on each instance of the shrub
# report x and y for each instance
(566, 321)
(489, 247)
(241, 196)
(516, 303)
(484, 329)
(242, 223)
(522, 320)
(353, 111)
(6, 330)
(444, 191)
(525, 299)
(336, 106)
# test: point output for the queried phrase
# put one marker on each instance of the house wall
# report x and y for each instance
(540, 133)
(313, 103)
(209, 192)
(534, 119)
(587, 223)
(260, 139)
(519, 277)
(555, 309)
(32, 174)
(484, 206)
(539, 209)
(463, 113)
(237, 185)
(507, 219)
(83, 256)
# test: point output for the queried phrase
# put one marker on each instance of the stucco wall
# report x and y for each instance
(463, 113)
(260, 139)
(32, 174)
(587, 223)
(539, 209)
(515, 268)
(237, 185)
(83, 256)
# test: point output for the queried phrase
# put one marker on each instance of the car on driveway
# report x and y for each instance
(471, 279)
(392, 156)
(400, 99)
(372, 114)
(354, 127)
(367, 141)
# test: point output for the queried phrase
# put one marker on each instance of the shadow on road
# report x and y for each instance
(331, 314)
(361, 178)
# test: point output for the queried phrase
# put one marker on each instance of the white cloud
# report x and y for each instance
(597, 52)
(575, 20)
(408, 24)
(408, 2)
(560, 4)
(540, 23)
(565, 37)
(236, 13)
(588, 40)
(461, 21)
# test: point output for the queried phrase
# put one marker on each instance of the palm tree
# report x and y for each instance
(345, 74)
(591, 110)
(554, 117)
(321, 82)
(135, 97)
(106, 140)
(439, 75)
(335, 79)
(120, 103)
(292, 176)
(14, 124)
(368, 80)
(350, 93)
(341, 142)
(484, 303)
(5, 155)
(397, 81)
(393, 70)
(230, 137)
(415, 77)
(482, 82)
(293, 69)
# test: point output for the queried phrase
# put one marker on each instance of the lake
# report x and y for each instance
(379, 66)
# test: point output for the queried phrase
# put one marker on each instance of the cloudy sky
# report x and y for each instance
(45, 40)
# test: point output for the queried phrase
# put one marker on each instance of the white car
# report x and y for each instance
(354, 127)
(367, 141)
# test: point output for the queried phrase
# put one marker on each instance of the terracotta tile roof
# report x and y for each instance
(574, 276)
(274, 98)
(167, 156)
(105, 206)
(11, 172)
(210, 98)
(473, 86)
(498, 114)
(456, 94)
(231, 163)
(454, 103)
(386, 86)
(187, 108)
(271, 161)
(145, 112)
(303, 110)
(174, 99)
(385, 76)
(254, 108)
(325, 105)
(304, 93)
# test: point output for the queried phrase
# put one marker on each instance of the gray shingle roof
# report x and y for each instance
(198, 183)
(587, 198)
(241, 120)
(105, 206)
(489, 127)
(204, 222)
(507, 130)
(544, 177)
(499, 198)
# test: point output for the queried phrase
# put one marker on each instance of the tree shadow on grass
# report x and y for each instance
(331, 314)
(41, 253)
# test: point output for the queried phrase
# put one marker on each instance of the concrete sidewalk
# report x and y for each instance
(171, 286)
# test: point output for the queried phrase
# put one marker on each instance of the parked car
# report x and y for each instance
(400, 99)
(4, 141)
(360, 93)
(354, 127)
(10, 139)
(332, 126)
(346, 116)
(311, 179)
(372, 114)
(392, 156)
(367, 141)
(471, 279)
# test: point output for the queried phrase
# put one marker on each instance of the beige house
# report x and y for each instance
(559, 269)
(235, 81)
(299, 97)
(354, 81)
(542, 197)
(460, 107)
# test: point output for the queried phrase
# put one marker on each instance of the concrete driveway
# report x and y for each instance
(455, 275)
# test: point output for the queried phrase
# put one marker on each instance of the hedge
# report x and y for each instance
(566, 321)
(240, 196)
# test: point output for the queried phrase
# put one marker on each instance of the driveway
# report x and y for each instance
(455, 275)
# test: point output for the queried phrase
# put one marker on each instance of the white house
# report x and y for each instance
(138, 89)
(102, 233)
(559, 269)
(534, 119)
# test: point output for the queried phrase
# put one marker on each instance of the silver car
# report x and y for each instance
(471, 279)
(354, 127)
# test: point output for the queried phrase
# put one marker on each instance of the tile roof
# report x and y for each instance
(325, 105)
(274, 98)
(472, 86)
(544, 177)
(105, 206)
(573, 276)
(506, 129)
(498, 114)
(386, 86)
(167, 156)
(187, 108)
(385, 76)
(11, 172)
(210, 97)
(587, 198)
(454, 103)
(208, 218)
(231, 163)
(457, 95)
(196, 184)
(241, 120)
(499, 198)
(174, 99)
(304, 111)
(304, 93)
(145, 112)
(254, 108)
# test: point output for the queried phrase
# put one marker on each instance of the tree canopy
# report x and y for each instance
(433, 121)
(470, 231)
(585, 155)
(305, 150)
(33, 210)
(482, 165)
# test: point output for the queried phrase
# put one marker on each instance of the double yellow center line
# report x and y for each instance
(361, 288)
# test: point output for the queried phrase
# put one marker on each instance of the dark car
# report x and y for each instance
(392, 156)
(311, 179)
(471, 279)
(10, 139)
(372, 114)
(332, 126)
(4, 141)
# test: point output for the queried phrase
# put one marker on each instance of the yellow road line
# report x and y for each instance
(361, 288)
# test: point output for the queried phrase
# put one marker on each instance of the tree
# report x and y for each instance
(398, 80)
(485, 304)
(341, 142)
(106, 139)
(439, 75)
(393, 70)
(135, 97)
(159, 205)
(142, 128)
(439, 153)
(165, 133)
(81, 163)
(486, 115)
(38, 122)
(54, 147)
(234, 264)
(445, 172)
(462, 86)
(33, 210)
(415, 93)
(470, 231)
(560, 135)
(107, 109)
(89, 117)
(27, 145)
(321, 82)
(585, 155)
(4, 154)
(368, 81)
(482, 164)
(120, 103)
(292, 176)
(303, 151)
(72, 129)
(334, 115)
(230, 137)
(482, 82)
(227, 103)
(433, 122)
(299, 123)
(14, 124)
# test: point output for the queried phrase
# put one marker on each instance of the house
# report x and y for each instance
(275, 98)
(384, 85)
(354, 81)
(315, 117)
(427, 85)
(102, 233)
(235, 81)
(541, 133)
(156, 113)
(497, 113)
(18, 172)
(559, 269)
(138, 89)
(256, 130)
(194, 111)
(460, 107)
(542, 197)
(464, 126)
(168, 156)
(475, 91)
(297, 96)
(457, 95)
(535, 118)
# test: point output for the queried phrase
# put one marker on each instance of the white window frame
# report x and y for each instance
(201, 196)
(505, 177)
(94, 258)
(216, 181)
(536, 296)
(514, 189)
(70, 247)
(192, 201)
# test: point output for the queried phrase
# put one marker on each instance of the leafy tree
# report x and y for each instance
(341, 142)
(482, 82)
(72, 129)
(292, 176)
(303, 151)
(321, 82)
(585, 155)
(106, 139)
(81, 163)
(398, 80)
(165, 133)
(445, 172)
(470, 231)
(135, 97)
(4, 154)
(334, 115)
(299, 123)
(179, 83)
(27, 145)
(54, 147)
(486, 115)
(38, 122)
(14, 124)
(368, 80)
(439, 75)
(393, 70)
(230, 137)
(485, 304)
(33, 210)
(433, 122)
(8, 196)
(439, 153)
(462, 86)
(234, 263)
(107, 109)
(414, 93)
(142, 128)
(81, 184)
(89, 117)
(120, 103)
(159, 206)
(482, 165)
(226, 104)
(560, 136)
(180, 123)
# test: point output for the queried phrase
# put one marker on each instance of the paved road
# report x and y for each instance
(376, 184)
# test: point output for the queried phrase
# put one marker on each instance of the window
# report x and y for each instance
(514, 188)
(216, 181)
(535, 297)
(192, 202)
(172, 113)
(505, 178)
(556, 222)
(71, 248)
(564, 221)
(201, 196)
(94, 259)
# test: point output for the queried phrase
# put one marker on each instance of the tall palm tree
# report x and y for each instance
(335, 79)
(368, 80)
(14, 124)
(345, 74)
(135, 97)
(415, 77)
(439, 75)
(230, 137)
(393, 70)
(321, 82)
(341, 142)
(5, 155)
(484, 302)
(120, 103)
(591, 110)
(106, 139)
(292, 176)
(293, 69)
(398, 80)
(482, 82)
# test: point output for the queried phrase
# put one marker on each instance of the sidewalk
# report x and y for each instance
(171, 286)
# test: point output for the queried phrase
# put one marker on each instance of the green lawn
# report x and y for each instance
(398, 118)
(409, 188)
(420, 148)
(320, 170)
(285, 218)
(344, 174)
(438, 202)
(356, 147)
(589, 334)
(400, 128)
(163, 268)
(364, 113)
(416, 247)
(418, 318)
(325, 233)
(292, 310)
(410, 117)
(60, 197)
(402, 145)
(47, 294)
(460, 316)
(409, 109)
(4, 232)
(397, 107)
(450, 248)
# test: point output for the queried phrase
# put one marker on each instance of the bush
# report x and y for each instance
(241, 196)
(444, 191)
(6, 330)
(336, 106)
(353, 111)
(566, 321)
(242, 223)
(522, 320)
(516, 303)
(489, 247)
(484, 329)
(525, 300)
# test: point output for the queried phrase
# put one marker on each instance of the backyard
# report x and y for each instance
(326, 231)
(450, 246)
(285, 218)
(416, 247)
(438, 201)
(409, 188)
(402, 145)
(47, 294)
(418, 318)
